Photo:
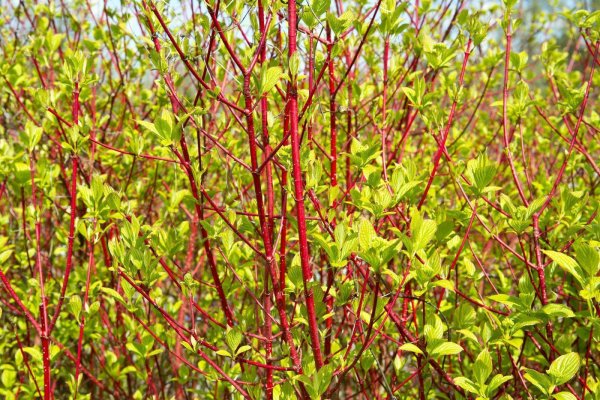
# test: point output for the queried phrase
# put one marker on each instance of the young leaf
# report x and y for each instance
(423, 231)
(482, 172)
(75, 305)
(270, 79)
(466, 384)
(564, 396)
(495, 383)
(564, 368)
(539, 380)
(566, 263)
(483, 367)
(411, 347)
(243, 349)
(446, 349)
(366, 234)
(588, 258)
(233, 338)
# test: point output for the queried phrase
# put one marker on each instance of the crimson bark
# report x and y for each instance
(299, 193)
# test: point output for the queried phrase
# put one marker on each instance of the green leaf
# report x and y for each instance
(535, 205)
(509, 4)
(34, 352)
(366, 234)
(445, 283)
(9, 375)
(342, 23)
(588, 258)
(566, 263)
(154, 352)
(483, 367)
(564, 368)
(339, 233)
(233, 337)
(113, 293)
(505, 299)
(270, 79)
(165, 123)
(53, 40)
(539, 380)
(411, 347)
(482, 171)
(4, 255)
(325, 245)
(128, 369)
(294, 65)
(33, 134)
(564, 396)
(466, 384)
(136, 348)
(495, 383)
(446, 349)
(388, 7)
(411, 95)
(188, 346)
(522, 320)
(320, 7)
(468, 334)
(224, 353)
(423, 231)
(149, 126)
(75, 306)
(558, 310)
(243, 349)
(434, 330)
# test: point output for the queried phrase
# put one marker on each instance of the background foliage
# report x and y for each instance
(321, 199)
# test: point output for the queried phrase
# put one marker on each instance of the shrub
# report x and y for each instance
(310, 199)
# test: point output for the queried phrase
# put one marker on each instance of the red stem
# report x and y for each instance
(299, 194)
(332, 112)
(505, 116)
(73, 216)
(442, 146)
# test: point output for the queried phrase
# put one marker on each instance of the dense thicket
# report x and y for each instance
(314, 199)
